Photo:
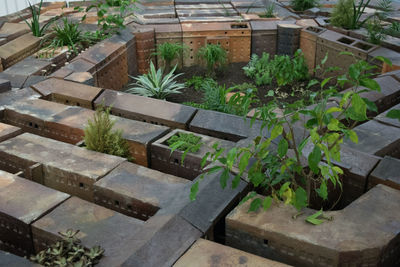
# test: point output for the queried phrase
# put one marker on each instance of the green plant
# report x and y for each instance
(301, 5)
(291, 167)
(342, 15)
(168, 53)
(68, 35)
(197, 82)
(394, 29)
(185, 142)
(69, 252)
(34, 24)
(214, 56)
(269, 12)
(154, 84)
(282, 69)
(376, 32)
(100, 137)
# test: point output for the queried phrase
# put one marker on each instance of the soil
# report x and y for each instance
(232, 75)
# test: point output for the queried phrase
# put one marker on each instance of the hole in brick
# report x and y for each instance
(36, 126)
(81, 185)
(30, 124)
(66, 101)
(345, 40)
(226, 32)
(265, 241)
(129, 207)
(116, 202)
(176, 161)
(111, 112)
(363, 46)
(191, 42)
(313, 29)
(191, 49)
(191, 57)
(78, 104)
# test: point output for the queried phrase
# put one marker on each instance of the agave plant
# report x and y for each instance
(155, 84)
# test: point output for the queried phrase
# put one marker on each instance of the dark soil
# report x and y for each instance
(232, 75)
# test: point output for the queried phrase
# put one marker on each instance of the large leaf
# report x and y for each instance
(394, 114)
(313, 219)
(314, 158)
(282, 147)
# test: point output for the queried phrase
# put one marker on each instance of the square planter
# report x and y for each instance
(163, 160)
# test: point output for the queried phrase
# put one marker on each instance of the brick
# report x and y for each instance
(384, 119)
(8, 131)
(166, 238)
(81, 77)
(16, 95)
(69, 93)
(387, 172)
(9, 259)
(98, 227)
(274, 234)
(31, 80)
(137, 191)
(30, 66)
(393, 56)
(74, 172)
(145, 47)
(288, 40)
(190, 168)
(16, 80)
(10, 31)
(206, 253)
(308, 44)
(113, 74)
(376, 139)
(146, 109)
(22, 202)
(5, 85)
(80, 65)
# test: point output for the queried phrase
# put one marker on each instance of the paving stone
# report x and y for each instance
(146, 109)
(10, 31)
(138, 191)
(15, 95)
(223, 126)
(66, 167)
(387, 172)
(69, 93)
(19, 48)
(165, 239)
(5, 85)
(8, 131)
(163, 160)
(31, 80)
(384, 119)
(80, 65)
(207, 253)
(274, 234)
(81, 77)
(61, 73)
(22, 202)
(376, 139)
(98, 227)
(9, 259)
(16, 80)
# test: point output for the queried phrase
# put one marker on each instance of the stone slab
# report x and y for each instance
(15, 95)
(207, 253)
(30, 66)
(138, 191)
(69, 93)
(22, 202)
(19, 48)
(384, 119)
(8, 131)
(9, 259)
(5, 85)
(66, 167)
(146, 109)
(347, 240)
(387, 172)
(16, 80)
(98, 227)
(10, 31)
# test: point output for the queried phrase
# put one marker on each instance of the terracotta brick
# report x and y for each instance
(163, 160)
(204, 253)
(146, 109)
(98, 227)
(74, 172)
(8, 131)
(145, 47)
(138, 191)
(22, 202)
(69, 93)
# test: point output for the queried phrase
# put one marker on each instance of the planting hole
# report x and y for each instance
(345, 40)
(363, 46)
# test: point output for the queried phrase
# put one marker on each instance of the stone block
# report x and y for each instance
(393, 56)
(80, 65)
(70, 93)
(30, 66)
(66, 167)
(16, 80)
(308, 44)
(31, 80)
(137, 191)
(8, 131)
(145, 47)
(16, 95)
(114, 73)
(9, 259)
(9, 31)
(81, 77)
(387, 172)
(98, 227)
(274, 234)
(163, 160)
(22, 202)
(5, 85)
(385, 120)
(207, 253)
(288, 40)
(146, 109)
(378, 139)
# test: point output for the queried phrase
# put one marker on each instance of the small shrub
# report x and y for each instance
(185, 142)
(283, 69)
(301, 5)
(342, 15)
(197, 82)
(168, 53)
(100, 137)
(376, 32)
(69, 252)
(269, 12)
(154, 84)
(214, 56)
(34, 24)
(394, 29)
(68, 35)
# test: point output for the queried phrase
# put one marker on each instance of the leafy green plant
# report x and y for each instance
(34, 24)
(154, 84)
(214, 56)
(293, 167)
(67, 35)
(376, 32)
(69, 252)
(342, 15)
(393, 29)
(168, 52)
(100, 137)
(269, 12)
(301, 5)
(185, 142)
(197, 82)
(282, 69)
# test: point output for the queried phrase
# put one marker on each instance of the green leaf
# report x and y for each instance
(236, 181)
(257, 178)
(204, 160)
(394, 114)
(371, 84)
(249, 196)
(230, 158)
(334, 109)
(334, 125)
(300, 198)
(278, 129)
(322, 191)
(354, 72)
(337, 169)
(370, 105)
(282, 147)
(323, 61)
(384, 59)
(353, 136)
(193, 191)
(244, 161)
(267, 202)
(303, 144)
(314, 158)
(255, 204)
(313, 219)
(325, 81)
(358, 109)
(224, 178)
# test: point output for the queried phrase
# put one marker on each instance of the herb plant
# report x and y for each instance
(185, 141)
(197, 82)
(342, 15)
(301, 5)
(168, 52)
(376, 32)
(34, 24)
(214, 56)
(154, 84)
(69, 252)
(269, 12)
(100, 136)
(286, 164)
(67, 35)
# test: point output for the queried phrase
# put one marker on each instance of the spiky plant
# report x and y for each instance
(168, 52)
(34, 24)
(214, 56)
(68, 35)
